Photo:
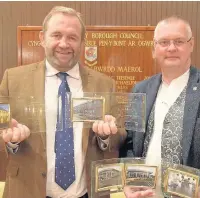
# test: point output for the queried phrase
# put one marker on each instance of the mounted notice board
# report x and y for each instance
(122, 52)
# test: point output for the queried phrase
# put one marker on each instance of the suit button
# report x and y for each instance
(44, 175)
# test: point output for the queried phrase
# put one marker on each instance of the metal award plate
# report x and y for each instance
(181, 183)
(140, 175)
(4, 115)
(87, 109)
(109, 177)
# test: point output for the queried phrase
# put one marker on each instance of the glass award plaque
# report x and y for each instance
(128, 109)
(36, 112)
(113, 176)
(32, 114)
(25, 110)
(180, 181)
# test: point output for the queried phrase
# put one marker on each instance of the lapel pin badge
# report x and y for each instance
(194, 88)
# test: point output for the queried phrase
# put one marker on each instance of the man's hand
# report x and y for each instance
(17, 132)
(106, 127)
(138, 192)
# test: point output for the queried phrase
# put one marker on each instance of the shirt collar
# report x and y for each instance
(181, 80)
(51, 71)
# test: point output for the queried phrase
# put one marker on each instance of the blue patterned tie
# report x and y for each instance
(64, 140)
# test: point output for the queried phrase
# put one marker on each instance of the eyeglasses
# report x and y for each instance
(176, 42)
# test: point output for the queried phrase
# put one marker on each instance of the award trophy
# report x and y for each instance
(180, 181)
(115, 176)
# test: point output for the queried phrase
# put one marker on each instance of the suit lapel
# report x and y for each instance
(38, 91)
(151, 93)
(190, 111)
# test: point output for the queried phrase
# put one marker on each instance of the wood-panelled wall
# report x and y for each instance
(120, 13)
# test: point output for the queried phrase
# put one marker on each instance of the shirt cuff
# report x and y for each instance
(12, 147)
(103, 144)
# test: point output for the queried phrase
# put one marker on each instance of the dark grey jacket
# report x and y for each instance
(133, 146)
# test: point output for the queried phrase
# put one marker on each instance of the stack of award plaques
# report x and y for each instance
(180, 181)
(112, 175)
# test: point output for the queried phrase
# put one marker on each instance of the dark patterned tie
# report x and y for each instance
(64, 140)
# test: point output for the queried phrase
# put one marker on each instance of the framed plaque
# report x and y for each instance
(109, 177)
(87, 109)
(129, 109)
(181, 183)
(141, 175)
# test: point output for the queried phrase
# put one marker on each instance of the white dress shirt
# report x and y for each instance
(167, 95)
(52, 83)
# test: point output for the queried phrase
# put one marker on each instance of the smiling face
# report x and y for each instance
(173, 56)
(62, 41)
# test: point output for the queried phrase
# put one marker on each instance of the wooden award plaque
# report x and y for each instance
(124, 53)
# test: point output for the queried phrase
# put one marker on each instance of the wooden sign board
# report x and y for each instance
(124, 53)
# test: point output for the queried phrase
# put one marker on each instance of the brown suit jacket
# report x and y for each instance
(27, 170)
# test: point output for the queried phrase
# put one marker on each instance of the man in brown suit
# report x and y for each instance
(31, 167)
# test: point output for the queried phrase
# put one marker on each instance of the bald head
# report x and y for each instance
(173, 20)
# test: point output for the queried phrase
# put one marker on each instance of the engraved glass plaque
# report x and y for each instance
(28, 111)
(129, 109)
(35, 112)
